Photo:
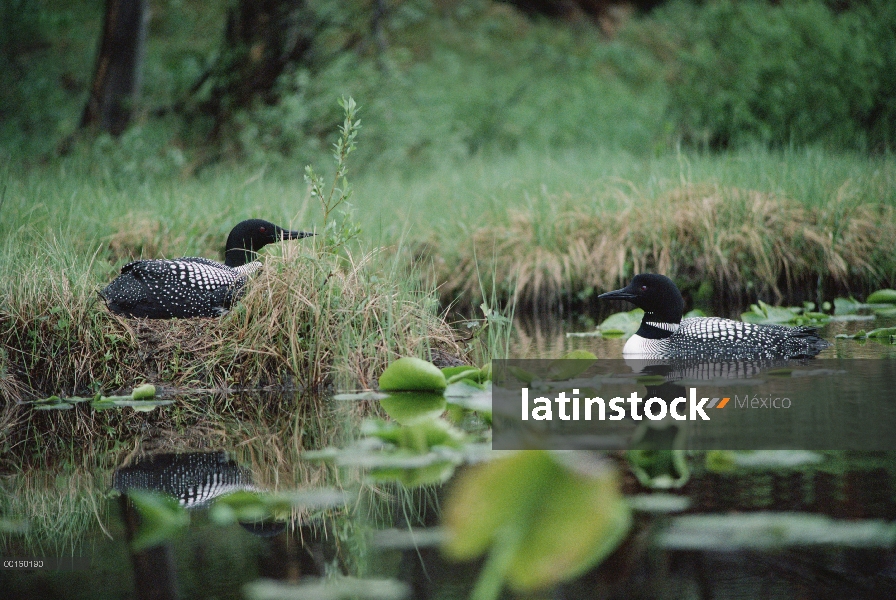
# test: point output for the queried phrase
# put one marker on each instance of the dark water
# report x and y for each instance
(830, 516)
(551, 337)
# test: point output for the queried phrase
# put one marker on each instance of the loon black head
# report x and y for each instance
(248, 237)
(657, 295)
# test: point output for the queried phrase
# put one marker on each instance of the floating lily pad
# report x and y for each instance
(886, 296)
(540, 521)
(881, 334)
(410, 407)
(845, 306)
(453, 374)
(621, 324)
(143, 405)
(765, 314)
(471, 376)
(570, 365)
(411, 374)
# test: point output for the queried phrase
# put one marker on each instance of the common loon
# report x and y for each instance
(190, 286)
(663, 333)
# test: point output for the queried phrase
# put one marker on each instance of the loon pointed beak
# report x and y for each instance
(294, 235)
(622, 294)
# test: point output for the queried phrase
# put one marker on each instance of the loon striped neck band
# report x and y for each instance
(671, 327)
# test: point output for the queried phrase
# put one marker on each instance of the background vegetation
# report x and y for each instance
(536, 153)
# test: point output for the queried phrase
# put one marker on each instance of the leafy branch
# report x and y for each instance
(337, 234)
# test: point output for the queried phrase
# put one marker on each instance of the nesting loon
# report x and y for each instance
(193, 287)
(663, 333)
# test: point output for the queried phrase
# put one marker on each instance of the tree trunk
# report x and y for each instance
(261, 38)
(116, 82)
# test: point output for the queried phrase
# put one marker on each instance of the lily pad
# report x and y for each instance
(540, 521)
(453, 374)
(409, 374)
(886, 296)
(845, 306)
(621, 324)
(765, 314)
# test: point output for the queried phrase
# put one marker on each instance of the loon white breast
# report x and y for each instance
(191, 286)
(663, 333)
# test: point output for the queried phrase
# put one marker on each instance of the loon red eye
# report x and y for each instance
(262, 229)
(643, 288)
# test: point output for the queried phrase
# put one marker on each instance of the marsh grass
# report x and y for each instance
(745, 243)
(538, 229)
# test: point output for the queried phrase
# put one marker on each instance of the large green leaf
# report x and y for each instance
(622, 323)
(541, 521)
(882, 297)
(411, 374)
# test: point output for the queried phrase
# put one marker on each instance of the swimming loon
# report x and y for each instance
(663, 333)
(190, 286)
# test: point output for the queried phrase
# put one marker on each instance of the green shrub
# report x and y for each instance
(785, 74)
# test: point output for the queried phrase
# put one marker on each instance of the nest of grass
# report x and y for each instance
(308, 320)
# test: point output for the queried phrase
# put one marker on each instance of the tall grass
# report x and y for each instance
(745, 242)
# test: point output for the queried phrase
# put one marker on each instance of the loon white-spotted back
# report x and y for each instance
(193, 286)
(663, 333)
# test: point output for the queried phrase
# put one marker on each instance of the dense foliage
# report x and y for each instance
(788, 73)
